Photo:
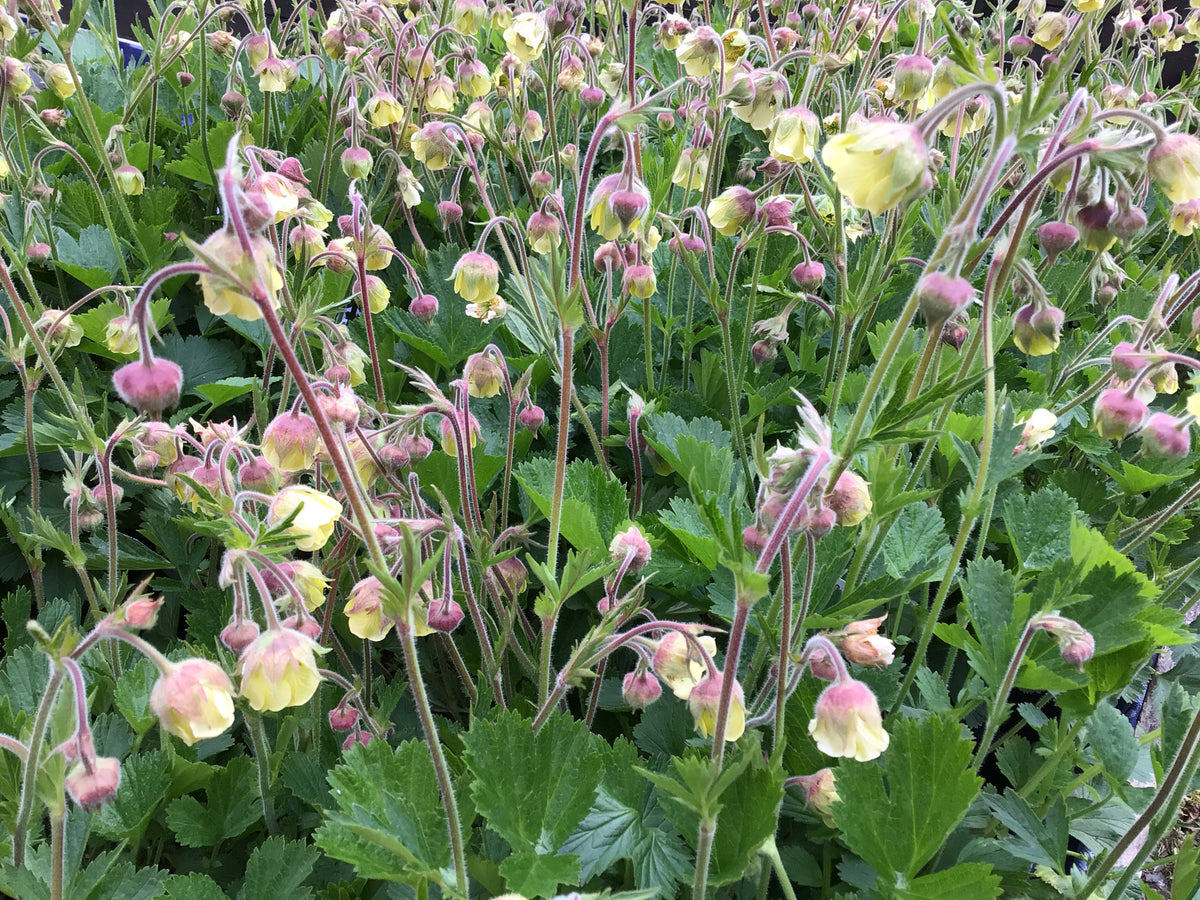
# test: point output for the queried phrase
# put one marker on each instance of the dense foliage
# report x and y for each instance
(456, 449)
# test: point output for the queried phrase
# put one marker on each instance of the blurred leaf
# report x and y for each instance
(593, 505)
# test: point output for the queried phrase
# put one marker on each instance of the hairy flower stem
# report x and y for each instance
(57, 853)
(408, 644)
(704, 844)
(996, 712)
(262, 762)
(1168, 798)
(560, 456)
(32, 763)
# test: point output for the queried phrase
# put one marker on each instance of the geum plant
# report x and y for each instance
(745, 351)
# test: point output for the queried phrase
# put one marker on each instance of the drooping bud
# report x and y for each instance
(445, 617)
(1038, 329)
(150, 386)
(703, 701)
(640, 688)
(1165, 436)
(1055, 238)
(941, 296)
(91, 788)
(1117, 415)
(1075, 643)
(808, 275)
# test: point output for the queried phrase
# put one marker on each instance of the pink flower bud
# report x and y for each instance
(821, 665)
(1118, 415)
(1056, 237)
(343, 718)
(239, 635)
(1127, 360)
(1166, 436)
(808, 276)
(820, 793)
(754, 538)
(1075, 643)
(141, 613)
(942, 296)
(92, 788)
(640, 688)
(149, 386)
(532, 417)
(424, 307)
(444, 617)
(38, 252)
(1037, 330)
(290, 442)
(418, 446)
(356, 737)
(863, 645)
(633, 543)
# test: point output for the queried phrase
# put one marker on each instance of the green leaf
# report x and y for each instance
(534, 789)
(144, 779)
(699, 451)
(133, 695)
(191, 887)
(990, 590)
(626, 822)
(1113, 741)
(968, 881)
(390, 823)
(897, 814)
(682, 518)
(203, 360)
(277, 868)
(191, 165)
(91, 258)
(1040, 526)
(1033, 840)
(916, 545)
(529, 874)
(226, 389)
(747, 818)
(232, 807)
(593, 506)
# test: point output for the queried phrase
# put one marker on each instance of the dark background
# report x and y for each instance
(1177, 64)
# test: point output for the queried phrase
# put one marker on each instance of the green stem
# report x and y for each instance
(560, 457)
(441, 770)
(704, 845)
(997, 712)
(1176, 781)
(262, 762)
(57, 854)
(32, 763)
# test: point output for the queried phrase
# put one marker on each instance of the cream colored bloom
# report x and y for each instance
(279, 669)
(704, 700)
(1039, 428)
(1174, 164)
(224, 296)
(316, 514)
(678, 667)
(847, 723)
(193, 700)
(794, 135)
(692, 169)
(364, 610)
(526, 36)
(879, 163)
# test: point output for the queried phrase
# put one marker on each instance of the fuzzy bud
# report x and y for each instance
(942, 296)
(640, 688)
(1117, 415)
